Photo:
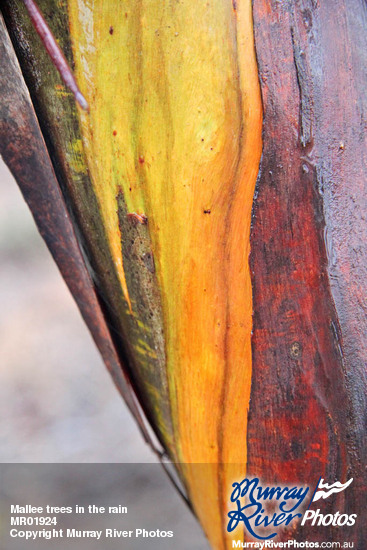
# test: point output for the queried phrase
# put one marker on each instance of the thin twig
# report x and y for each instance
(55, 52)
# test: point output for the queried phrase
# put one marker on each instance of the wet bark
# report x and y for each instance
(309, 253)
(24, 151)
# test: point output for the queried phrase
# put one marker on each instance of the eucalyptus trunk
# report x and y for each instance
(213, 209)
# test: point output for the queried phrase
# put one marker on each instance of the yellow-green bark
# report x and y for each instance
(173, 133)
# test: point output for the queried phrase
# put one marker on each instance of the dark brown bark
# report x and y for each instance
(23, 149)
(309, 257)
(60, 125)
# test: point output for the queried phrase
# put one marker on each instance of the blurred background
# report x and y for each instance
(59, 405)
(57, 401)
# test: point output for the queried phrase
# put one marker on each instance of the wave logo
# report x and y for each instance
(324, 490)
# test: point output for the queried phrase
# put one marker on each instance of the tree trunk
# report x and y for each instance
(238, 313)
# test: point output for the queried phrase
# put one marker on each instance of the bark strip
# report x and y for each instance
(307, 409)
(23, 150)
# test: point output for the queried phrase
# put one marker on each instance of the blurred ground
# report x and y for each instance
(57, 402)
